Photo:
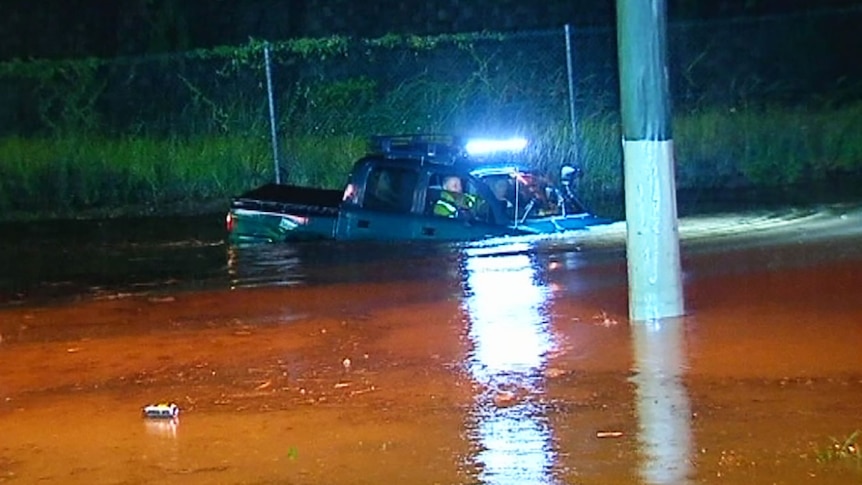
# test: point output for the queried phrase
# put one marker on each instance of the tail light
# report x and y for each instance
(229, 222)
(349, 194)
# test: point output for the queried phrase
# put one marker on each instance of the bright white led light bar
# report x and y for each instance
(486, 146)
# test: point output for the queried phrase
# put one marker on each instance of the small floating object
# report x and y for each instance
(161, 411)
(504, 399)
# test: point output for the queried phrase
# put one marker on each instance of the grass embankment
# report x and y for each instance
(715, 149)
(792, 154)
(77, 176)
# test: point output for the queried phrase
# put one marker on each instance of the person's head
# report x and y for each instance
(500, 188)
(384, 180)
(452, 184)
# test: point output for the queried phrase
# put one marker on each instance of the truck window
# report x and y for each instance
(390, 189)
(441, 200)
(525, 194)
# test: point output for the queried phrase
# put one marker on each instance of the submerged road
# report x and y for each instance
(509, 361)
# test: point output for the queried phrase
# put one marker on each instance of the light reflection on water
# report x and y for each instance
(506, 298)
(327, 262)
(509, 325)
(264, 265)
(162, 428)
(111, 258)
(663, 406)
(510, 333)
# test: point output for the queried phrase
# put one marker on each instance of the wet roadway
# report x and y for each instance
(507, 362)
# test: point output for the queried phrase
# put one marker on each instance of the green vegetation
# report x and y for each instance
(188, 131)
(65, 176)
(842, 450)
(767, 147)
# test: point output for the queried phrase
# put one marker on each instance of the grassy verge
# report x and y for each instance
(765, 152)
(715, 149)
(76, 176)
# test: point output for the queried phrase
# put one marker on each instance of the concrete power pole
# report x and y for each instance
(652, 240)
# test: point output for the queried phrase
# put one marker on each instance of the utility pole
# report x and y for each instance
(652, 239)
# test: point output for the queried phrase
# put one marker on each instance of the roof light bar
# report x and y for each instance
(486, 146)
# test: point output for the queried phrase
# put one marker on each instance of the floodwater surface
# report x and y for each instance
(503, 362)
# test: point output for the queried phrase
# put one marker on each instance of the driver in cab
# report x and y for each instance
(453, 201)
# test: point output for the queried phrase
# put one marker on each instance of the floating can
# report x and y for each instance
(161, 411)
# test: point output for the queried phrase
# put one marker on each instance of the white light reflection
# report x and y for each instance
(162, 428)
(510, 334)
(662, 401)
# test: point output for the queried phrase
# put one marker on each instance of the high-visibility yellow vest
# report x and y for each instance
(448, 205)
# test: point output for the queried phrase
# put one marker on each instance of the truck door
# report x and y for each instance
(385, 205)
(457, 217)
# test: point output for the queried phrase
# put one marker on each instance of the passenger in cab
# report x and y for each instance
(453, 201)
(500, 187)
(386, 192)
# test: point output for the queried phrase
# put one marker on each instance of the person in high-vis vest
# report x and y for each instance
(453, 201)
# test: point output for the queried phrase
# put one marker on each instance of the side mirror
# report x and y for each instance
(568, 174)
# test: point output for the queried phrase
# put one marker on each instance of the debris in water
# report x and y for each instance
(504, 399)
(604, 320)
(553, 373)
(161, 410)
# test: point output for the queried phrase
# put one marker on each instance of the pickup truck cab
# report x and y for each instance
(391, 194)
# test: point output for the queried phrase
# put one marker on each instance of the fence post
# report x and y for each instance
(570, 70)
(272, 123)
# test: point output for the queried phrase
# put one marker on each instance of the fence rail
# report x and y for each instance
(450, 82)
(341, 89)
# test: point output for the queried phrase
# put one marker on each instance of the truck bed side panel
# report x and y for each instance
(294, 195)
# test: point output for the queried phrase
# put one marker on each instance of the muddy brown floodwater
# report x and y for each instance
(504, 363)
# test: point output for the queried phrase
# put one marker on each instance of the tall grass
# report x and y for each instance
(65, 176)
(715, 148)
(769, 147)
(318, 162)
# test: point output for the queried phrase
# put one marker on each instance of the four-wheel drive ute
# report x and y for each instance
(401, 190)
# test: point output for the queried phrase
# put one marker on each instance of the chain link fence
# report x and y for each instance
(331, 93)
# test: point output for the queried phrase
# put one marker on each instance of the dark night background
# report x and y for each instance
(109, 28)
(143, 103)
